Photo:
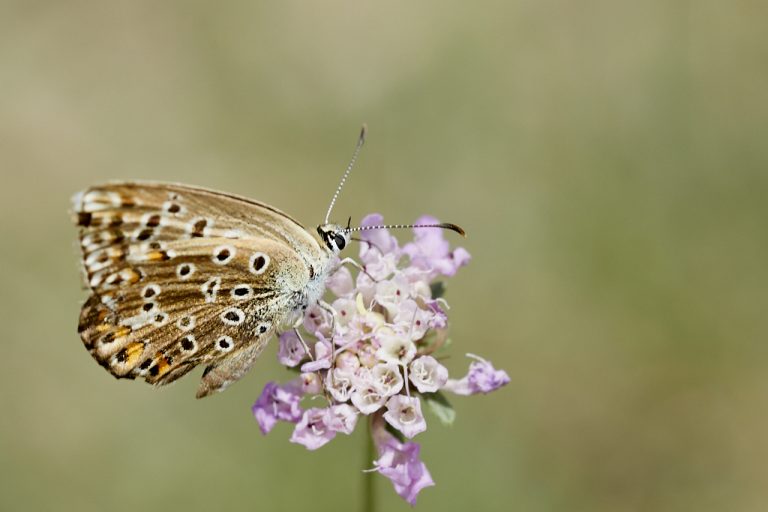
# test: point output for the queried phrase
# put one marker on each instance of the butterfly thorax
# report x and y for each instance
(315, 287)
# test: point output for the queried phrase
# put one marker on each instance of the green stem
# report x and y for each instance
(369, 488)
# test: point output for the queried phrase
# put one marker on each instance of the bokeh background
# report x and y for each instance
(608, 160)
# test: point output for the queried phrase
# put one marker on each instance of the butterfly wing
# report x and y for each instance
(182, 276)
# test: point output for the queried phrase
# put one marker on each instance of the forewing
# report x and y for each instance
(170, 291)
(143, 212)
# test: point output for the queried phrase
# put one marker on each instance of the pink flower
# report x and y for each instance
(322, 360)
(379, 251)
(431, 252)
(291, 351)
(277, 403)
(343, 418)
(341, 282)
(401, 464)
(314, 430)
(378, 242)
(317, 320)
(371, 357)
(482, 378)
(439, 319)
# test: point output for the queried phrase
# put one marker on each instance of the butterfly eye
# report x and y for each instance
(340, 241)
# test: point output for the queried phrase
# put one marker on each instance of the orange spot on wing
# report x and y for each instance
(133, 352)
(132, 276)
(163, 366)
(122, 331)
(157, 256)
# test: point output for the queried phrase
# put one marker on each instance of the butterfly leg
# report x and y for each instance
(303, 344)
(318, 373)
(370, 244)
(329, 309)
(359, 267)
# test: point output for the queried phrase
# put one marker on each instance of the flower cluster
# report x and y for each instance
(378, 355)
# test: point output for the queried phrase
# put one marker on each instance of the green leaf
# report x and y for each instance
(438, 289)
(440, 407)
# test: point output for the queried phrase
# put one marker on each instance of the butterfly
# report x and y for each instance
(181, 276)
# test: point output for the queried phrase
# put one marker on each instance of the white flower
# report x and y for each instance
(367, 355)
(421, 290)
(427, 374)
(339, 384)
(404, 413)
(347, 362)
(387, 378)
(396, 349)
(365, 287)
(382, 266)
(345, 311)
(391, 293)
(366, 396)
(363, 323)
(413, 319)
(419, 282)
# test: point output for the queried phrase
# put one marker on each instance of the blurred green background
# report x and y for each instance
(608, 160)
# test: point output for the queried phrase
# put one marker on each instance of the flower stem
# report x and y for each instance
(369, 488)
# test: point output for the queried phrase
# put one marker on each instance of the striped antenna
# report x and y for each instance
(360, 142)
(442, 225)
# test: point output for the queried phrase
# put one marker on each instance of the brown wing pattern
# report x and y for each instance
(182, 276)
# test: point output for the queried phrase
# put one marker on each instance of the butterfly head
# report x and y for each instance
(334, 236)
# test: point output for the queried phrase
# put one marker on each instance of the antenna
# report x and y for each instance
(442, 225)
(360, 142)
